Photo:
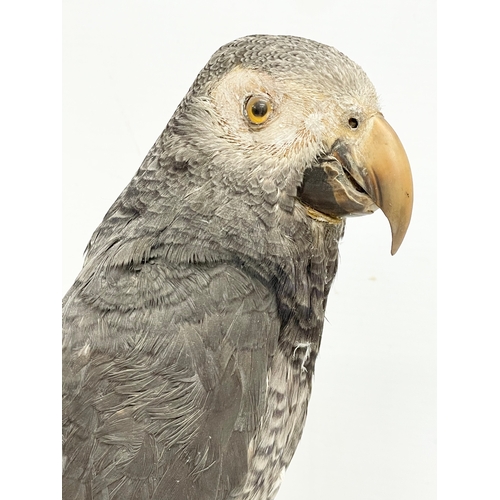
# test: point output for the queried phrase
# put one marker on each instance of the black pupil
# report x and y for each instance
(259, 109)
(353, 123)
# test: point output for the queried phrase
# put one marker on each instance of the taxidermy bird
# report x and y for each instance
(192, 331)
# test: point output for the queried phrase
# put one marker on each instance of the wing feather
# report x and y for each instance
(161, 398)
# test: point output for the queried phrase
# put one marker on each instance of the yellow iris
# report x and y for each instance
(258, 109)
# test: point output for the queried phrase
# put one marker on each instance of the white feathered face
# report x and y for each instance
(284, 118)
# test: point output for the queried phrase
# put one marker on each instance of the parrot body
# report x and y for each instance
(191, 333)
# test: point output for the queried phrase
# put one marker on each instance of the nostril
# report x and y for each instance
(353, 123)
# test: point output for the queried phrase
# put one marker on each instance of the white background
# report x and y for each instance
(371, 430)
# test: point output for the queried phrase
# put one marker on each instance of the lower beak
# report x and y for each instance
(355, 180)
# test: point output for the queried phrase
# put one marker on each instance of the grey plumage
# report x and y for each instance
(191, 333)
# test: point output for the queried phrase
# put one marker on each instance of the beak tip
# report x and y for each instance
(398, 234)
(395, 246)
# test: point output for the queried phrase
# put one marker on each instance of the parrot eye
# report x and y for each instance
(353, 123)
(258, 109)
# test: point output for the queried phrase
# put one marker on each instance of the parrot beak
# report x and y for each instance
(357, 179)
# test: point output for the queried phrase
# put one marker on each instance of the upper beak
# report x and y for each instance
(355, 180)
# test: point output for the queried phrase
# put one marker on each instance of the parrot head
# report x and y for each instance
(300, 121)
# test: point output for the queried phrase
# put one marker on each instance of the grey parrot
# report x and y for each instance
(192, 330)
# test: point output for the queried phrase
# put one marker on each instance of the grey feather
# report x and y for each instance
(191, 333)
